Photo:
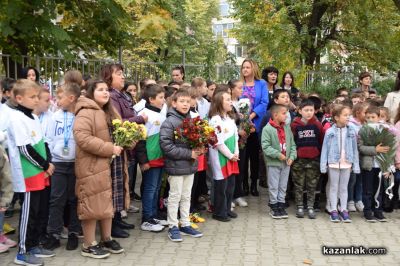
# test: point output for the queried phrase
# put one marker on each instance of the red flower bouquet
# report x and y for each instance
(197, 133)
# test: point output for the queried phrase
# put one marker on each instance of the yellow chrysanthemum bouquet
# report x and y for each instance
(126, 133)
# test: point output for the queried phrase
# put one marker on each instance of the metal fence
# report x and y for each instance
(52, 69)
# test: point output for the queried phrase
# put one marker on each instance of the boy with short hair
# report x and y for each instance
(30, 167)
(180, 165)
(62, 148)
(308, 136)
(151, 159)
(370, 171)
(280, 151)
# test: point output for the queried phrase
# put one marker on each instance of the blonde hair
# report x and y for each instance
(73, 76)
(254, 66)
(198, 82)
(22, 85)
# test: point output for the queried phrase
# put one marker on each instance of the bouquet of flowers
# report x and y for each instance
(373, 136)
(127, 133)
(245, 124)
(197, 133)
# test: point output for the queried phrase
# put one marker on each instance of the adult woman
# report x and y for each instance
(288, 84)
(30, 73)
(178, 74)
(94, 149)
(393, 99)
(113, 76)
(255, 89)
(365, 80)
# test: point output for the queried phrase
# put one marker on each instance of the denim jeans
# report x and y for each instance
(151, 188)
(355, 188)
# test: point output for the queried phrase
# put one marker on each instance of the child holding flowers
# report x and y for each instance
(180, 165)
(225, 156)
(151, 158)
(94, 149)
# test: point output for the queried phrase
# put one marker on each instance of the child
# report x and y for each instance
(180, 165)
(308, 136)
(282, 97)
(30, 167)
(203, 106)
(62, 148)
(5, 195)
(224, 157)
(94, 149)
(339, 156)
(384, 115)
(151, 159)
(370, 171)
(355, 182)
(357, 98)
(279, 151)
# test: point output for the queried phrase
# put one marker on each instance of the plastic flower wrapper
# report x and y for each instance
(197, 133)
(373, 136)
(245, 124)
(126, 134)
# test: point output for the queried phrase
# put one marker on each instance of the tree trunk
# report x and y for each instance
(397, 4)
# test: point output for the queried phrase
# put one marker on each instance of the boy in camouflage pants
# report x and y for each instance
(308, 136)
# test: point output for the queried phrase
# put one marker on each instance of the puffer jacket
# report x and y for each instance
(177, 154)
(94, 150)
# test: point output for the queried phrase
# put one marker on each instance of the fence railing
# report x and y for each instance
(52, 69)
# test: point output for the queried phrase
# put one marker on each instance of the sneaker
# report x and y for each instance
(28, 259)
(300, 212)
(232, 214)
(124, 214)
(241, 202)
(311, 213)
(334, 217)
(379, 217)
(275, 214)
(345, 216)
(51, 243)
(282, 211)
(64, 233)
(94, 251)
(133, 209)
(221, 218)
(161, 222)
(42, 252)
(174, 234)
(351, 206)
(233, 205)
(196, 218)
(151, 226)
(370, 218)
(189, 231)
(8, 242)
(3, 248)
(72, 243)
(111, 245)
(359, 206)
(136, 197)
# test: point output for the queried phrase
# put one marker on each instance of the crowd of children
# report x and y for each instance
(68, 173)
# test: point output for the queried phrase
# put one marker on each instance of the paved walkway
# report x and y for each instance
(252, 239)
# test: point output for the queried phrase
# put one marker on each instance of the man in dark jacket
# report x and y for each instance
(180, 163)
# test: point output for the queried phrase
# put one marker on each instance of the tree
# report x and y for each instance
(291, 33)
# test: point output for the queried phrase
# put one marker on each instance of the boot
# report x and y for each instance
(118, 232)
(253, 189)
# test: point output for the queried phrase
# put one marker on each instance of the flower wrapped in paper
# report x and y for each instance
(197, 133)
(126, 134)
(245, 124)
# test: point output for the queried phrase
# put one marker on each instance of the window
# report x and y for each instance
(240, 51)
(224, 9)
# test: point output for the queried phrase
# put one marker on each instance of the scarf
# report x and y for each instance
(281, 135)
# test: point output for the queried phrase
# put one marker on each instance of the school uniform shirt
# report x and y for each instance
(6, 112)
(45, 119)
(60, 137)
(142, 104)
(227, 133)
(23, 131)
(203, 107)
(151, 152)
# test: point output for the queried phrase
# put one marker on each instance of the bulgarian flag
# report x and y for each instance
(154, 153)
(35, 177)
(228, 167)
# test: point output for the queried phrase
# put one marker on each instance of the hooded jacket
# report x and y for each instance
(177, 154)
(94, 150)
